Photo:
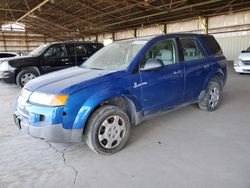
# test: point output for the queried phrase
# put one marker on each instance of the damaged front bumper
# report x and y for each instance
(45, 122)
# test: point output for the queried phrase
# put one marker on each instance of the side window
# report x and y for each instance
(96, 46)
(213, 45)
(164, 51)
(191, 49)
(56, 51)
(80, 50)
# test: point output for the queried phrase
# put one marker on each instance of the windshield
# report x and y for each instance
(248, 50)
(116, 56)
(39, 49)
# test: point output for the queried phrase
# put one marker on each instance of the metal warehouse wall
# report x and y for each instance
(232, 31)
(21, 42)
(233, 45)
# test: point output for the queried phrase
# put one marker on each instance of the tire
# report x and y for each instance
(102, 135)
(212, 97)
(25, 75)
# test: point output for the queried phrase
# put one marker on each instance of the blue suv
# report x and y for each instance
(121, 85)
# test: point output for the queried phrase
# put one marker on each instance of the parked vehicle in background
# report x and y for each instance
(7, 54)
(45, 59)
(242, 63)
(121, 85)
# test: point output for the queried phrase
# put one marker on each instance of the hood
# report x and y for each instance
(16, 61)
(70, 80)
(244, 56)
(15, 58)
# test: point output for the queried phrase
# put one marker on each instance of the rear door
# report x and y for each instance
(197, 67)
(55, 58)
(78, 53)
(162, 88)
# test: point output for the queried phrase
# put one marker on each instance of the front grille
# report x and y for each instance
(246, 62)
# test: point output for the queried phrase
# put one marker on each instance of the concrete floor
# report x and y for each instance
(184, 148)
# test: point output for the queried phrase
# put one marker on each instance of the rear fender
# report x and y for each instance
(210, 76)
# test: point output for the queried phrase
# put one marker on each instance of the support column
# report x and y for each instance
(4, 42)
(165, 28)
(26, 41)
(135, 33)
(204, 22)
(206, 25)
(45, 38)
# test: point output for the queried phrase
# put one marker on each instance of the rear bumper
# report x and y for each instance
(51, 133)
(7, 76)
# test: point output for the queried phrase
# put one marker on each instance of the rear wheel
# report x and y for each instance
(25, 75)
(107, 130)
(212, 97)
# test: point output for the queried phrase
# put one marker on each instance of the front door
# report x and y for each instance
(162, 88)
(55, 58)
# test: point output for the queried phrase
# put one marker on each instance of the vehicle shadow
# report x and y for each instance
(160, 122)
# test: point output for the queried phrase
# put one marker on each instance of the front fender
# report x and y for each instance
(94, 101)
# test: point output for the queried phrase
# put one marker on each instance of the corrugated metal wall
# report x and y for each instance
(233, 45)
(21, 42)
(232, 31)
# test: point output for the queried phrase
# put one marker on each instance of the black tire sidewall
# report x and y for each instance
(21, 73)
(95, 123)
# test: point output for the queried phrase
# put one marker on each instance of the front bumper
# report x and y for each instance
(242, 68)
(45, 123)
(51, 133)
(7, 76)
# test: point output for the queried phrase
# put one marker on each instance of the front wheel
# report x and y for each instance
(212, 97)
(24, 76)
(107, 130)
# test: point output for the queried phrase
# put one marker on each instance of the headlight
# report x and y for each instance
(4, 66)
(48, 99)
(237, 62)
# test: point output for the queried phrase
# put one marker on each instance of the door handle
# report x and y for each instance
(66, 59)
(139, 85)
(206, 66)
(177, 72)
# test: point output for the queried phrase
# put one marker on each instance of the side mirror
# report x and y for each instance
(243, 51)
(152, 64)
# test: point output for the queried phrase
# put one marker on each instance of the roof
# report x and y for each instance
(70, 19)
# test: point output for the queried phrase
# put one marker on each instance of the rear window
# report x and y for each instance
(213, 45)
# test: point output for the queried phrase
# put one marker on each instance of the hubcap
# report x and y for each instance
(27, 77)
(214, 96)
(111, 132)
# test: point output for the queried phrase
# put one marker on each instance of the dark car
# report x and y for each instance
(44, 59)
(7, 54)
(121, 85)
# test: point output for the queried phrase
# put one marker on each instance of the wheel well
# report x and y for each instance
(24, 68)
(126, 105)
(219, 78)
